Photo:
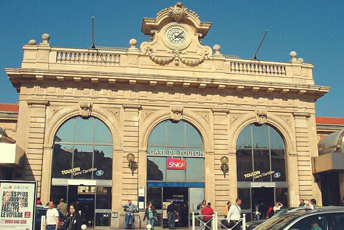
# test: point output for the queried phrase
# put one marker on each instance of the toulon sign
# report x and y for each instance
(176, 164)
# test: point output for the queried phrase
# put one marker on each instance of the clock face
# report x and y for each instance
(176, 36)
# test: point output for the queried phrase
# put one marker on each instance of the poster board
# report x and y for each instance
(17, 204)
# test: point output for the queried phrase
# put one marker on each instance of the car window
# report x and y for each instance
(316, 222)
(277, 223)
(338, 221)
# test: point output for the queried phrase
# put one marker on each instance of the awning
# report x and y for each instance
(331, 153)
(11, 155)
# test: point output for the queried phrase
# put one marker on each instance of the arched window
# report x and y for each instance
(83, 149)
(260, 154)
(177, 141)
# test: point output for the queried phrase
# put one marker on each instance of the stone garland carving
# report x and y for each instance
(177, 56)
(176, 113)
(85, 109)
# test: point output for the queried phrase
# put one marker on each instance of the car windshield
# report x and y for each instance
(277, 223)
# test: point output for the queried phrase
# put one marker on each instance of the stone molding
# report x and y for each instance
(262, 115)
(131, 106)
(302, 114)
(38, 103)
(85, 109)
(176, 112)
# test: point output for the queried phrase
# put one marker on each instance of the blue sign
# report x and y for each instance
(277, 175)
(100, 173)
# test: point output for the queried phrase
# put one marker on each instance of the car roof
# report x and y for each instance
(318, 210)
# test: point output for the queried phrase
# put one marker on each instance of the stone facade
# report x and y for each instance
(133, 89)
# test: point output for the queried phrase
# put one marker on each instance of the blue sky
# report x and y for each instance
(314, 29)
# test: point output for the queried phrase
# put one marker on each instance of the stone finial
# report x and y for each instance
(32, 42)
(132, 43)
(45, 38)
(217, 49)
(293, 58)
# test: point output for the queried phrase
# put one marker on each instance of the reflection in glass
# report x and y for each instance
(262, 164)
(194, 169)
(244, 139)
(83, 155)
(244, 194)
(158, 135)
(156, 168)
(103, 198)
(264, 157)
(244, 164)
(65, 132)
(260, 136)
(175, 134)
(62, 158)
(102, 133)
(155, 196)
(84, 130)
(278, 165)
(103, 162)
(89, 146)
(282, 196)
(193, 137)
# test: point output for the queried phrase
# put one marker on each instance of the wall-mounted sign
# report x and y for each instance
(182, 153)
(17, 204)
(258, 174)
(176, 164)
(76, 171)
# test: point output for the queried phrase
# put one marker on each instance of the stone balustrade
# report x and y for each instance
(257, 67)
(87, 57)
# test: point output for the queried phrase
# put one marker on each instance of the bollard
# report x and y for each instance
(193, 221)
(244, 222)
(83, 227)
(42, 222)
(149, 226)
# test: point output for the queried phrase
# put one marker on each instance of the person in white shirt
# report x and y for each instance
(52, 217)
(277, 207)
(234, 214)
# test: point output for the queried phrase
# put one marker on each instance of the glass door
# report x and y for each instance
(196, 196)
(103, 206)
(154, 195)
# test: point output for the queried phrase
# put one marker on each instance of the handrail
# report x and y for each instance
(216, 222)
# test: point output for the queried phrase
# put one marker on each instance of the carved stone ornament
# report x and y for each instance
(261, 116)
(85, 109)
(176, 113)
(178, 11)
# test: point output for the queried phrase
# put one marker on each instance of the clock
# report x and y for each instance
(176, 36)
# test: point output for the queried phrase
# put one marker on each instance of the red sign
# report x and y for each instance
(176, 164)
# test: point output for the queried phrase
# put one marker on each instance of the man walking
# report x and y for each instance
(234, 214)
(207, 213)
(130, 209)
(52, 217)
(171, 214)
(63, 207)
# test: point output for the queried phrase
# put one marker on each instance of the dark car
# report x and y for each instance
(320, 218)
(252, 224)
(42, 211)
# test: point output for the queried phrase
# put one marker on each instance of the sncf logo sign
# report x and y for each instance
(176, 164)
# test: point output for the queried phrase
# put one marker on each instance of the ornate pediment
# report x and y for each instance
(175, 37)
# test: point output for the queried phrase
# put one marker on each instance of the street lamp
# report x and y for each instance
(131, 159)
(224, 166)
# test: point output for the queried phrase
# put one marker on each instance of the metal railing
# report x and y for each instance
(215, 222)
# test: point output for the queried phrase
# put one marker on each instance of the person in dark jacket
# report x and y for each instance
(73, 219)
(151, 214)
(171, 214)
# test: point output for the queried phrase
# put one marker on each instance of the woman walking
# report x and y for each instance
(73, 219)
(150, 214)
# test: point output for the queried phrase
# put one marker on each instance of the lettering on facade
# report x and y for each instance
(76, 171)
(258, 174)
(185, 153)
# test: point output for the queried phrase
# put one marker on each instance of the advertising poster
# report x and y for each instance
(17, 204)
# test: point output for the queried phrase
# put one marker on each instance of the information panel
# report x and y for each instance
(17, 204)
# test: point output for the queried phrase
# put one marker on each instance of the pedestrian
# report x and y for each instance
(257, 213)
(207, 213)
(184, 215)
(313, 203)
(270, 211)
(52, 217)
(130, 208)
(200, 206)
(171, 215)
(228, 205)
(234, 214)
(63, 207)
(151, 215)
(277, 207)
(73, 219)
(302, 203)
(38, 201)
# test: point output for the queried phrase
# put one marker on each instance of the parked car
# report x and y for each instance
(252, 224)
(41, 210)
(323, 218)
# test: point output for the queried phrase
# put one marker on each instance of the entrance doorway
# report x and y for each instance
(262, 199)
(185, 199)
(94, 202)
